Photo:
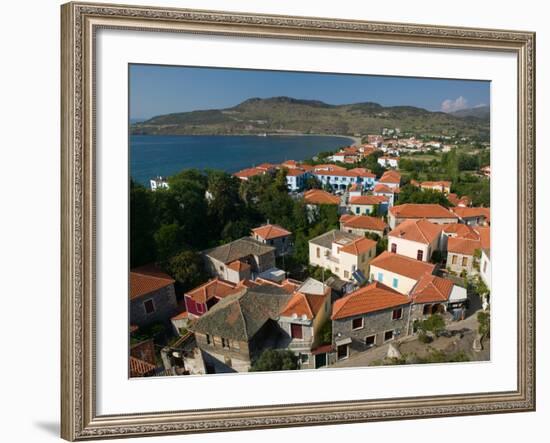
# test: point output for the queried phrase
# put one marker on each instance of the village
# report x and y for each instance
(391, 269)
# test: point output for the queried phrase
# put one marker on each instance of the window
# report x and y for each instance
(427, 310)
(225, 343)
(221, 268)
(208, 340)
(342, 352)
(304, 358)
(370, 340)
(395, 282)
(464, 261)
(397, 314)
(318, 252)
(420, 254)
(346, 274)
(454, 259)
(357, 210)
(296, 331)
(388, 335)
(394, 248)
(357, 323)
(380, 277)
(484, 267)
(149, 306)
(336, 270)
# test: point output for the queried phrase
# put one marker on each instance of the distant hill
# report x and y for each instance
(286, 115)
(481, 112)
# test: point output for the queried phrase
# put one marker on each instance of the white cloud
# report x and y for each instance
(451, 105)
(481, 105)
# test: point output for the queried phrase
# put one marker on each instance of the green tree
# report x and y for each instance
(275, 360)
(168, 241)
(484, 322)
(325, 333)
(142, 243)
(434, 323)
(187, 269)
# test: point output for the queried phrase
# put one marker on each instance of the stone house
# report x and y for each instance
(152, 296)
(432, 212)
(473, 216)
(342, 253)
(363, 224)
(273, 235)
(200, 299)
(302, 319)
(417, 239)
(399, 272)
(239, 327)
(371, 316)
(461, 255)
(434, 294)
(241, 259)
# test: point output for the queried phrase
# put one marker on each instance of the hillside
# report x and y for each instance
(280, 115)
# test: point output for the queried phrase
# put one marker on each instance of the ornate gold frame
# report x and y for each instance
(79, 23)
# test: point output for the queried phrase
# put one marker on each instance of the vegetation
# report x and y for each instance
(326, 333)
(413, 194)
(287, 115)
(275, 360)
(484, 320)
(434, 323)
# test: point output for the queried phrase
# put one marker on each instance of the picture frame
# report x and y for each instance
(80, 23)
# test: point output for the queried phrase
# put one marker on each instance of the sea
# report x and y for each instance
(164, 155)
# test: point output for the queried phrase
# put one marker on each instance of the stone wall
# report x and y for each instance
(165, 303)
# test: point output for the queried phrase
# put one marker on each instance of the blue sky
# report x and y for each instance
(156, 90)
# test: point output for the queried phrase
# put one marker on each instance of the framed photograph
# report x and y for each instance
(277, 221)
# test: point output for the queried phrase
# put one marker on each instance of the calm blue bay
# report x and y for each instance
(153, 155)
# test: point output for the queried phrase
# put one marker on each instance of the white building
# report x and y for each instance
(158, 182)
(342, 253)
(416, 239)
(485, 267)
(388, 162)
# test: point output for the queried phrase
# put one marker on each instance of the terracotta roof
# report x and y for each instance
(266, 166)
(431, 288)
(328, 166)
(368, 199)
(421, 210)
(139, 368)
(445, 184)
(390, 177)
(382, 188)
(295, 172)
(484, 236)
(147, 279)
(363, 222)
(455, 200)
(217, 288)
(359, 246)
(463, 246)
(461, 230)
(288, 285)
(290, 164)
(399, 264)
(307, 305)
(363, 172)
(238, 266)
(420, 231)
(182, 315)
(320, 197)
(371, 298)
(268, 232)
(248, 172)
(472, 212)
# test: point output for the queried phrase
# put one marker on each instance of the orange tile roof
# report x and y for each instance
(431, 288)
(390, 177)
(266, 166)
(303, 304)
(238, 266)
(328, 166)
(320, 197)
(382, 188)
(455, 200)
(363, 222)
(472, 212)
(420, 231)
(368, 199)
(147, 279)
(484, 236)
(139, 368)
(359, 246)
(288, 285)
(421, 210)
(445, 184)
(295, 172)
(463, 246)
(270, 231)
(248, 172)
(182, 315)
(399, 264)
(371, 298)
(216, 288)
(290, 164)
(363, 172)
(461, 230)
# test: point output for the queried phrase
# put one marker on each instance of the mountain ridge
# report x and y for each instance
(288, 115)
